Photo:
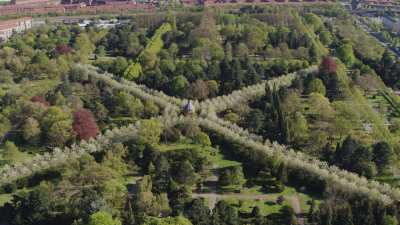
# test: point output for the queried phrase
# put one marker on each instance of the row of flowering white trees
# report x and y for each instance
(245, 94)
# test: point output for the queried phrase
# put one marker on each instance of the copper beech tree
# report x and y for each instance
(85, 124)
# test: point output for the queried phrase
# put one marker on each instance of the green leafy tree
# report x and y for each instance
(31, 130)
(232, 176)
(53, 115)
(83, 46)
(115, 193)
(346, 54)
(148, 60)
(10, 152)
(326, 38)
(178, 85)
(151, 109)
(203, 139)
(103, 218)
(314, 21)
(316, 85)
(186, 174)
(149, 132)
(255, 37)
(5, 125)
(133, 71)
(390, 220)
(120, 65)
(297, 129)
(60, 133)
(128, 105)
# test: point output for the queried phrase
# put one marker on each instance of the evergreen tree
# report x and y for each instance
(382, 155)
(252, 77)
(282, 173)
(281, 119)
(313, 52)
(326, 214)
(197, 212)
(344, 152)
(238, 74)
(344, 216)
(288, 216)
(224, 214)
(129, 216)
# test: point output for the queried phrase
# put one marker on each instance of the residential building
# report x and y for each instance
(8, 27)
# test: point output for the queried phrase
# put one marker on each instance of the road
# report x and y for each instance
(294, 201)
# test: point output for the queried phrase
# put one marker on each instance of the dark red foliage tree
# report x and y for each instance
(63, 49)
(84, 124)
(328, 65)
(40, 100)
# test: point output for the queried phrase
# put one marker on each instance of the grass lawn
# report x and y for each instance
(267, 202)
(4, 198)
(214, 155)
(154, 46)
(393, 181)
(291, 192)
(248, 198)
(266, 207)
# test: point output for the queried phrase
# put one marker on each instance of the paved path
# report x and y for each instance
(294, 201)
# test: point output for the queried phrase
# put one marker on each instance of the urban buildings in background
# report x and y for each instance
(31, 7)
(8, 27)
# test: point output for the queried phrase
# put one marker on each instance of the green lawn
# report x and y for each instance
(154, 46)
(214, 155)
(393, 181)
(266, 206)
(4, 198)
(267, 202)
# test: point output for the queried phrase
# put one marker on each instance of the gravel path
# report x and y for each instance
(294, 201)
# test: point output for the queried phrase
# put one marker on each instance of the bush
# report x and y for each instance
(203, 139)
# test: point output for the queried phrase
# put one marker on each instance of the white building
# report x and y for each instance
(8, 27)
